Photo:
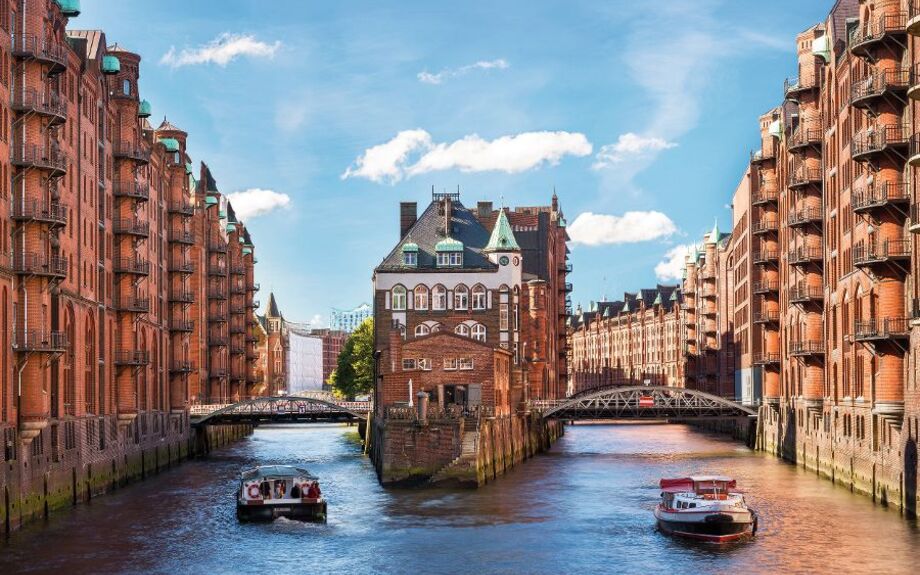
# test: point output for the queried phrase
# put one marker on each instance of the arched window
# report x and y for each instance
(126, 88)
(399, 298)
(479, 296)
(461, 297)
(439, 297)
(421, 329)
(70, 378)
(479, 332)
(421, 297)
(436, 328)
(89, 366)
(463, 330)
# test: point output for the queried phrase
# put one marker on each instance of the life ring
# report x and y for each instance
(253, 491)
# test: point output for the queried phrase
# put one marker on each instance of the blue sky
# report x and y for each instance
(640, 114)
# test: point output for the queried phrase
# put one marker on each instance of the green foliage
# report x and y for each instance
(354, 372)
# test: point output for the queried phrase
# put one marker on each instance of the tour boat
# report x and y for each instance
(704, 508)
(271, 491)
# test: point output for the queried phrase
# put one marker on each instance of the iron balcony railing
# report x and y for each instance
(181, 208)
(804, 82)
(237, 309)
(127, 150)
(131, 357)
(880, 194)
(877, 83)
(40, 157)
(181, 237)
(806, 347)
(37, 340)
(805, 255)
(237, 290)
(809, 215)
(238, 270)
(805, 293)
(255, 286)
(131, 265)
(758, 156)
(40, 265)
(132, 227)
(915, 218)
(181, 296)
(181, 266)
(766, 358)
(879, 139)
(766, 317)
(182, 367)
(878, 29)
(51, 213)
(217, 341)
(803, 137)
(218, 316)
(764, 196)
(762, 287)
(34, 47)
(764, 226)
(31, 100)
(217, 372)
(217, 293)
(217, 269)
(255, 304)
(132, 303)
(765, 256)
(879, 252)
(181, 325)
(803, 175)
(131, 189)
(217, 246)
(882, 329)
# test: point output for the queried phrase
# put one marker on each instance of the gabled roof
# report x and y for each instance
(169, 126)
(502, 238)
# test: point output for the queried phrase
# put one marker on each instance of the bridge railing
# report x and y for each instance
(273, 405)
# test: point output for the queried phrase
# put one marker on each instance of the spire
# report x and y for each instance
(657, 299)
(272, 306)
(714, 234)
(502, 239)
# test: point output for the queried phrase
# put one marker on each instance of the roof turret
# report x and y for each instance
(714, 234)
(502, 238)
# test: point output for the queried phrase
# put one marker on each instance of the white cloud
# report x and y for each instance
(317, 321)
(390, 162)
(630, 145)
(221, 51)
(447, 73)
(256, 202)
(632, 227)
(669, 268)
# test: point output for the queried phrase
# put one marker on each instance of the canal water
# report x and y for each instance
(585, 507)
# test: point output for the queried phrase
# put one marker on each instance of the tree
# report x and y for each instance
(354, 371)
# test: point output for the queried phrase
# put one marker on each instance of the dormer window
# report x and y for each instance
(450, 253)
(410, 254)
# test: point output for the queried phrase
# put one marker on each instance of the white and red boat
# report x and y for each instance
(272, 491)
(704, 508)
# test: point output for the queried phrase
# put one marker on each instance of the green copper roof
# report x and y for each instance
(222, 214)
(449, 245)
(211, 200)
(144, 109)
(410, 247)
(821, 47)
(626, 307)
(776, 128)
(110, 65)
(657, 299)
(502, 239)
(242, 241)
(188, 168)
(69, 8)
(247, 251)
(231, 227)
(673, 295)
(172, 144)
(606, 312)
(714, 234)
(562, 223)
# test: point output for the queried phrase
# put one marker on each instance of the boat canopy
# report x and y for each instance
(697, 483)
(275, 471)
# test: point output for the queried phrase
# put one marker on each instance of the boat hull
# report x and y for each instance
(715, 527)
(298, 511)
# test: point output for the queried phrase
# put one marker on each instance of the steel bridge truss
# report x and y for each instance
(286, 409)
(643, 402)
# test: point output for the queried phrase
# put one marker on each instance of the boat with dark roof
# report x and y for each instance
(271, 491)
(704, 508)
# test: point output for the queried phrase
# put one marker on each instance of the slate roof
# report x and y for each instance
(272, 306)
(94, 41)
(667, 296)
(428, 230)
(169, 126)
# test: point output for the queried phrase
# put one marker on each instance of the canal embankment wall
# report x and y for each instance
(447, 450)
(81, 459)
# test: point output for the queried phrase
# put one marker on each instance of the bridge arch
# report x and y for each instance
(286, 408)
(644, 402)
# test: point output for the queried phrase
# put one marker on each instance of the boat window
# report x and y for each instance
(692, 505)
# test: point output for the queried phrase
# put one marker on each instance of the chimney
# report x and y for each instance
(484, 209)
(408, 214)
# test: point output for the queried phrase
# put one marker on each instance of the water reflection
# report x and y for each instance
(584, 507)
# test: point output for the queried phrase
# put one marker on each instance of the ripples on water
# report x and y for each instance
(585, 507)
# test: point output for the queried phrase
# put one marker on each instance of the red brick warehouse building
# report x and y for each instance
(125, 283)
(471, 305)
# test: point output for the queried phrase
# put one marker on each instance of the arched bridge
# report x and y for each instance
(283, 409)
(643, 402)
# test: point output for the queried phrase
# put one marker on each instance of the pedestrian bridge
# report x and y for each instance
(643, 402)
(282, 409)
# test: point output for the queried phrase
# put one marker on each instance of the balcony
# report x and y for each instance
(880, 30)
(181, 237)
(132, 304)
(217, 293)
(217, 247)
(763, 317)
(237, 290)
(805, 294)
(884, 252)
(217, 341)
(237, 350)
(132, 357)
(807, 348)
(874, 142)
(181, 325)
(805, 217)
(131, 189)
(765, 256)
(802, 176)
(32, 264)
(885, 329)
(40, 158)
(760, 156)
(763, 287)
(32, 47)
(181, 266)
(764, 226)
(913, 18)
(181, 367)
(709, 310)
(878, 85)
(131, 265)
(39, 341)
(766, 359)
(217, 269)
(135, 151)
(793, 87)
(181, 208)
(255, 304)
(250, 338)
(805, 255)
(50, 213)
(764, 196)
(181, 296)
(803, 137)
(237, 310)
(217, 372)
(131, 227)
(567, 287)
(252, 355)
(32, 101)
(880, 195)
(218, 316)
(238, 270)
(566, 267)
(915, 218)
